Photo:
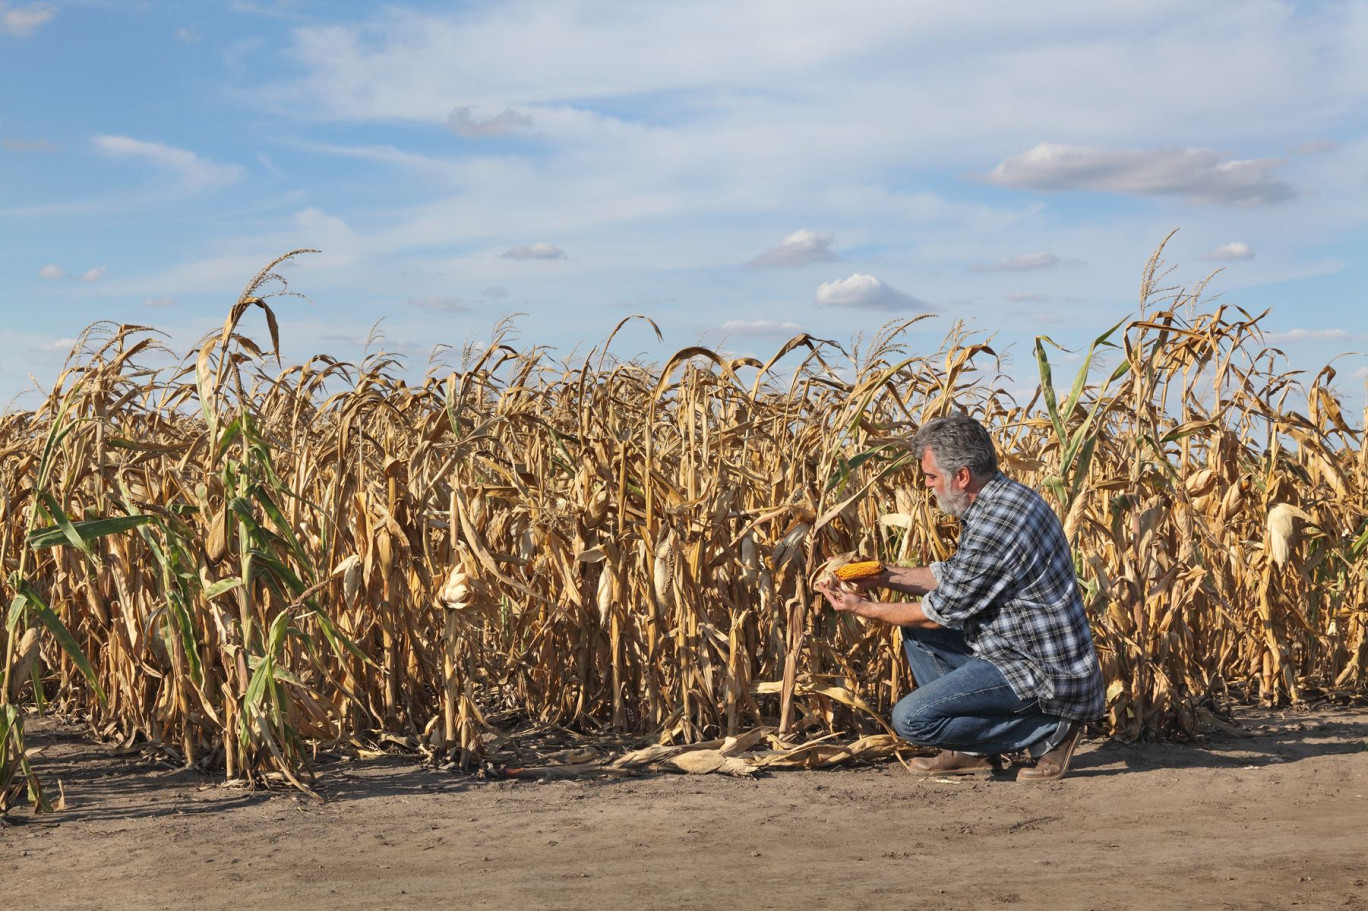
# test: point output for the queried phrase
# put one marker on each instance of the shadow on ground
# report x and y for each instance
(104, 783)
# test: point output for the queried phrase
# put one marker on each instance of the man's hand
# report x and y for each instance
(846, 598)
(850, 599)
(865, 584)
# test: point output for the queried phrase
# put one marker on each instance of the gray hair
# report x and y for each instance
(957, 441)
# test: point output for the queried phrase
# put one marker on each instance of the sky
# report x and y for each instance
(740, 172)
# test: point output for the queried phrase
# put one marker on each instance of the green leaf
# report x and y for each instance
(268, 505)
(279, 627)
(1047, 390)
(58, 515)
(340, 640)
(1360, 545)
(63, 636)
(222, 586)
(16, 612)
(84, 531)
(186, 629)
(140, 446)
(1080, 380)
(229, 436)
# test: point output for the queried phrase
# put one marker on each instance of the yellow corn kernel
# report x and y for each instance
(859, 569)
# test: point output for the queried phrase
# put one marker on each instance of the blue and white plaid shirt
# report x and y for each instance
(1010, 586)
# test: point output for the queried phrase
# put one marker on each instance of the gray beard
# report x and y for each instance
(955, 502)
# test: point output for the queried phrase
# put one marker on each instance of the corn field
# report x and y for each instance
(243, 562)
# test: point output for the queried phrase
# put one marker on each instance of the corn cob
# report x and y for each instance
(859, 569)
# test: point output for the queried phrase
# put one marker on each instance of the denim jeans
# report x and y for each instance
(964, 703)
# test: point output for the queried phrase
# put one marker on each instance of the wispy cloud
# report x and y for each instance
(464, 122)
(1316, 147)
(280, 9)
(194, 173)
(865, 292)
(1230, 252)
(28, 145)
(760, 327)
(94, 275)
(52, 270)
(1199, 176)
(1309, 335)
(1025, 262)
(160, 303)
(187, 35)
(536, 251)
(1026, 297)
(1039, 317)
(440, 304)
(800, 248)
(23, 21)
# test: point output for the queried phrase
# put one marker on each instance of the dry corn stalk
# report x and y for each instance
(411, 503)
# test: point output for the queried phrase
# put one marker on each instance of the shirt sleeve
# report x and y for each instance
(977, 576)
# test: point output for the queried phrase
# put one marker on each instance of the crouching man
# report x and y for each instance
(998, 643)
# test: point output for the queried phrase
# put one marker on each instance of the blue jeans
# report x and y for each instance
(964, 703)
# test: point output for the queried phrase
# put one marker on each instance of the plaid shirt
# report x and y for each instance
(1010, 586)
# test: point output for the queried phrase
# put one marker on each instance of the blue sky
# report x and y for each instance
(739, 172)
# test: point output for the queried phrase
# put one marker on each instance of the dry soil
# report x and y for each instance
(1274, 819)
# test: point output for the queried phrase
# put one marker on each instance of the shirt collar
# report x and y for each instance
(988, 492)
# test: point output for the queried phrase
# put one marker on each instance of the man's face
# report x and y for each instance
(952, 494)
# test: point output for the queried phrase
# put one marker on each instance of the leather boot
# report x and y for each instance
(1052, 765)
(952, 762)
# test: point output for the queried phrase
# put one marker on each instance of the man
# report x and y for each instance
(998, 643)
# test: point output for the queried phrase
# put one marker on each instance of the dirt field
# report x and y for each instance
(1278, 819)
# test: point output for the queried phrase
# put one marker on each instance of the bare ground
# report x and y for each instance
(1276, 819)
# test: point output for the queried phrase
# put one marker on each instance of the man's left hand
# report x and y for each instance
(841, 599)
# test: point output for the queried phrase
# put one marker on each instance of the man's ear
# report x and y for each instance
(963, 477)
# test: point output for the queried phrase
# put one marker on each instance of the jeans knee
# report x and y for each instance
(913, 723)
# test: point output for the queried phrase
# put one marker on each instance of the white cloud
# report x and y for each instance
(187, 35)
(60, 345)
(495, 292)
(440, 304)
(1197, 175)
(1037, 316)
(1308, 335)
(761, 327)
(51, 270)
(94, 275)
(195, 173)
(23, 21)
(463, 122)
(28, 145)
(327, 233)
(159, 303)
(1025, 262)
(279, 9)
(1316, 147)
(536, 251)
(1230, 252)
(800, 248)
(865, 292)
(1026, 297)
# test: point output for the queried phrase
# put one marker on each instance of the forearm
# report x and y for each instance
(895, 613)
(911, 580)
